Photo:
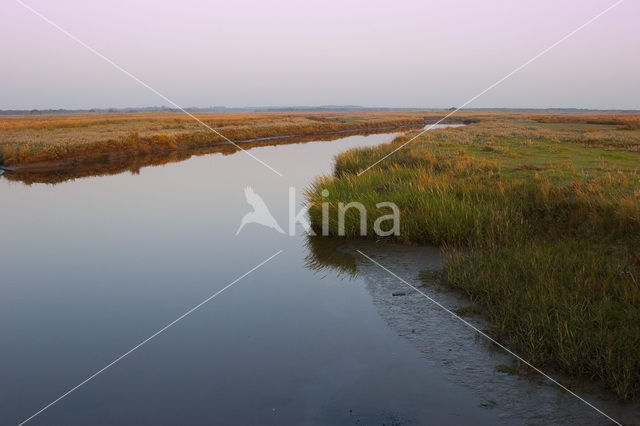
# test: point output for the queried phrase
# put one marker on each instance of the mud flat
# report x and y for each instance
(518, 393)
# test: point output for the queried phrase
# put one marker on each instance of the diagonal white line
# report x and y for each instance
(494, 84)
(149, 338)
(118, 67)
(483, 334)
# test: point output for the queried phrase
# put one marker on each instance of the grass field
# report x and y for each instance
(29, 139)
(539, 217)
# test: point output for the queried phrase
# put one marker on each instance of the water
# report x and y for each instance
(93, 266)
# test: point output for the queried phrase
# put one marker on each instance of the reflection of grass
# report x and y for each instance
(541, 227)
(324, 253)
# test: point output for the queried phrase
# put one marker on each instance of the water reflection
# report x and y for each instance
(328, 254)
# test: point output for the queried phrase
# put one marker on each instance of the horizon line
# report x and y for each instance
(337, 108)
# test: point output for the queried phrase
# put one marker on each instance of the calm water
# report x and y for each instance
(94, 266)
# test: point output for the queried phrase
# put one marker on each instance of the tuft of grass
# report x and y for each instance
(540, 227)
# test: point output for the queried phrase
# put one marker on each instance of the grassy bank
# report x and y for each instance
(112, 163)
(27, 139)
(540, 221)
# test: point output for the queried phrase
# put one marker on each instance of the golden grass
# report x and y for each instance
(111, 163)
(30, 139)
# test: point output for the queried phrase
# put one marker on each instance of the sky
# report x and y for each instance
(239, 53)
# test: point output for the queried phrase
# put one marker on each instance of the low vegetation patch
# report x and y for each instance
(539, 218)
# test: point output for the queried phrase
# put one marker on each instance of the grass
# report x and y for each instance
(539, 218)
(26, 139)
(111, 163)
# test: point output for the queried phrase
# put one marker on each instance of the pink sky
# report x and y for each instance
(252, 53)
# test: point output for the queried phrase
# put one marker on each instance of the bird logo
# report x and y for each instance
(260, 213)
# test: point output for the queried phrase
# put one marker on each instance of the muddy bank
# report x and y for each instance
(517, 393)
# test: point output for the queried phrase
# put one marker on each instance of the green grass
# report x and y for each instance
(540, 226)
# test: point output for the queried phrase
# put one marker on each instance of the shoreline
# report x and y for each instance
(520, 393)
(53, 141)
(75, 160)
(540, 224)
(121, 162)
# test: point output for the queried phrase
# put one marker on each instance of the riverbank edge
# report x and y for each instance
(460, 266)
(81, 155)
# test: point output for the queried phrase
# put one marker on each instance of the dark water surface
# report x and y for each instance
(91, 267)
